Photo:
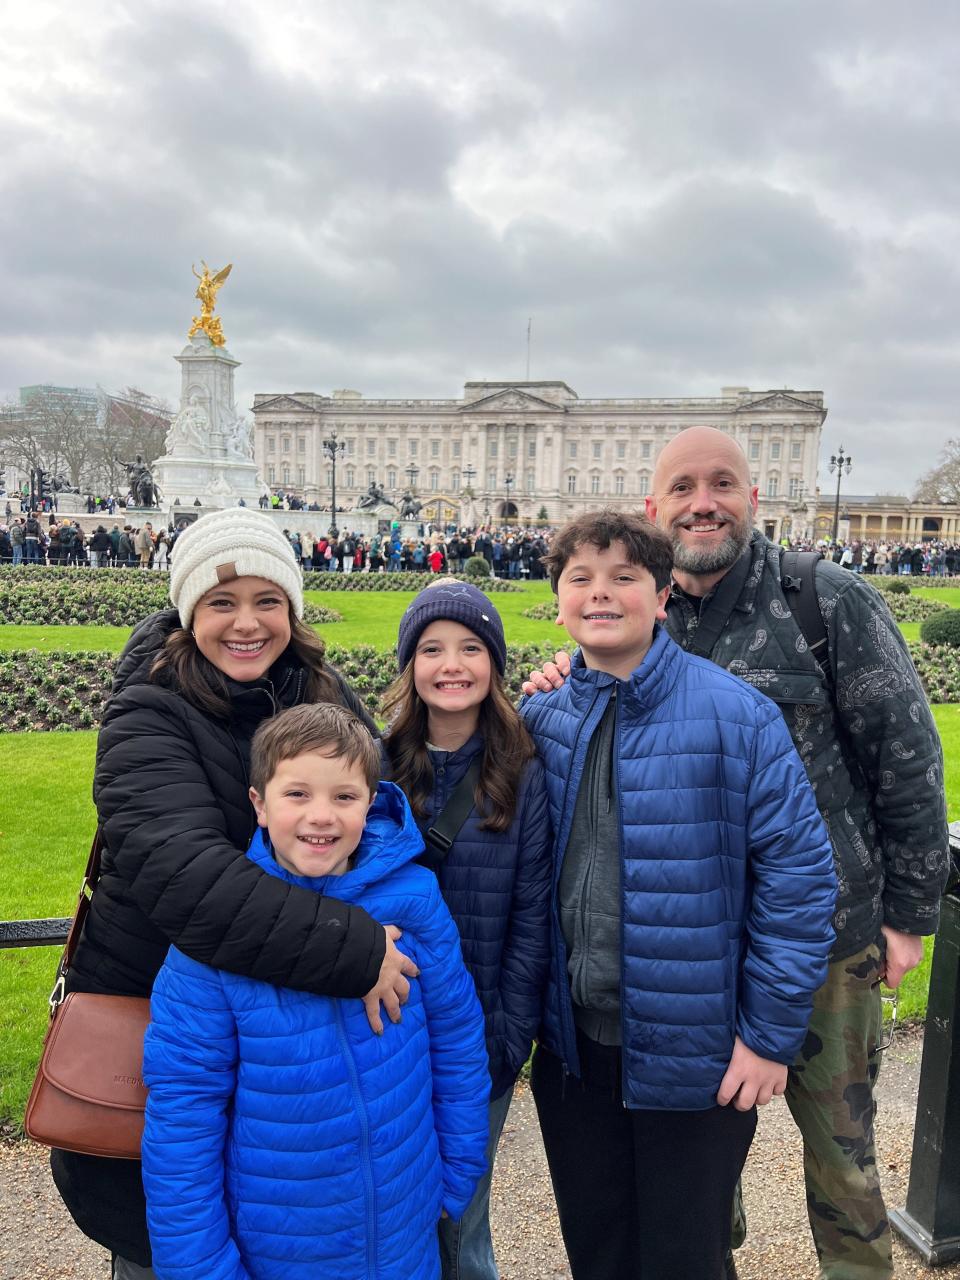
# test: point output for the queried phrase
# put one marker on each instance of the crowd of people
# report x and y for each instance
(510, 553)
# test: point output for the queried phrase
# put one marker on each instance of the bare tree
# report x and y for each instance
(941, 484)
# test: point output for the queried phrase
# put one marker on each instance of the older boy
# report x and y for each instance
(695, 888)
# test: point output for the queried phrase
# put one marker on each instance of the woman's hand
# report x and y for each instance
(392, 989)
(551, 676)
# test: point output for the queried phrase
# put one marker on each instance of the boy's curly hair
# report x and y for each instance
(645, 544)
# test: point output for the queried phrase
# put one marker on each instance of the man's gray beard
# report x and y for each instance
(704, 560)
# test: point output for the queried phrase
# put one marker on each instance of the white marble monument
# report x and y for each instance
(208, 451)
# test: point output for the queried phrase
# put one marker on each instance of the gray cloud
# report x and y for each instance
(682, 197)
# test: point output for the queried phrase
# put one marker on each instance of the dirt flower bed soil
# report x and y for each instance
(99, 597)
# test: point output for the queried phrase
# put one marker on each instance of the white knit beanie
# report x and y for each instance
(235, 543)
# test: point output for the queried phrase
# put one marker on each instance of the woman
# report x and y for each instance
(449, 713)
(170, 785)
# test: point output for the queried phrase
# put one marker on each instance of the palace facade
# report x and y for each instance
(534, 452)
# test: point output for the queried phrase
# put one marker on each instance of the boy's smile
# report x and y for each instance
(314, 809)
(610, 607)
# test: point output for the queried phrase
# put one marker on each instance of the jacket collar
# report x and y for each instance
(648, 684)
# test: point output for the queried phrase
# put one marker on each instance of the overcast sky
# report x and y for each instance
(682, 196)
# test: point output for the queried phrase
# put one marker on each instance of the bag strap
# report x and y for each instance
(445, 828)
(91, 876)
(798, 575)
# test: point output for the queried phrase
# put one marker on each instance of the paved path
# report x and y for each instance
(39, 1241)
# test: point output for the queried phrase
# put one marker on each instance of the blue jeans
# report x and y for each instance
(18, 553)
(466, 1250)
(31, 551)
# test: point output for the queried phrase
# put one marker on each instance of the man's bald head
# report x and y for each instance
(703, 497)
(700, 441)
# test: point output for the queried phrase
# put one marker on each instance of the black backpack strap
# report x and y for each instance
(445, 827)
(798, 576)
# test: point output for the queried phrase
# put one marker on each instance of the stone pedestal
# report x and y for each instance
(208, 451)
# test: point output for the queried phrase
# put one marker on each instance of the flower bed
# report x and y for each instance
(913, 608)
(546, 611)
(68, 690)
(102, 597)
(313, 581)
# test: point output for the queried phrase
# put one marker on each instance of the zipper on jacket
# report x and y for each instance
(567, 1027)
(365, 1170)
(615, 789)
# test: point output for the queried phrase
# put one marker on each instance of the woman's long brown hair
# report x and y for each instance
(181, 665)
(506, 749)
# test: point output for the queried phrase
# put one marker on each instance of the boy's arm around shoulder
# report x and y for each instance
(789, 929)
(189, 1065)
(458, 1054)
(526, 953)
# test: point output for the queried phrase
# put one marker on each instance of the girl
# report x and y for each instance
(447, 711)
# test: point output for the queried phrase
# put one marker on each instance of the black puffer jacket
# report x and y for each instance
(867, 740)
(171, 793)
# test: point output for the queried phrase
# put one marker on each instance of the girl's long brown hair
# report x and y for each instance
(181, 664)
(506, 749)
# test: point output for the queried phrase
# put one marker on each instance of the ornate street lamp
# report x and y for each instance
(508, 480)
(468, 473)
(333, 448)
(839, 462)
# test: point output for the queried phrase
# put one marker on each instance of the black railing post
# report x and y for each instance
(930, 1223)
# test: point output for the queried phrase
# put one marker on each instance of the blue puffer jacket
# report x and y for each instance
(497, 886)
(728, 882)
(283, 1137)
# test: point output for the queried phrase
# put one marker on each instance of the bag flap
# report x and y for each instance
(95, 1050)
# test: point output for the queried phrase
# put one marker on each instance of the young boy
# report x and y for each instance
(694, 894)
(283, 1138)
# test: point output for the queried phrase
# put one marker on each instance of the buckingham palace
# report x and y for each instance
(532, 452)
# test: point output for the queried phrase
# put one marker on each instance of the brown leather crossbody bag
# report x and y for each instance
(88, 1094)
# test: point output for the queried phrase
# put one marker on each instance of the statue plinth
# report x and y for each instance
(208, 452)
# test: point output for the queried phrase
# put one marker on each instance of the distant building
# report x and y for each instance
(886, 517)
(508, 450)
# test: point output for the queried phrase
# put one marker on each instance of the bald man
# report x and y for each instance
(871, 749)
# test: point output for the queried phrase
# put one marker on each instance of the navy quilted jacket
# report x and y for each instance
(497, 886)
(728, 882)
(283, 1137)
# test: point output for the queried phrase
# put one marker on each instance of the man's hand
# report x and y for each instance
(392, 989)
(550, 676)
(904, 952)
(750, 1080)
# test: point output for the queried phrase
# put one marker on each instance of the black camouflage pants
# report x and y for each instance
(830, 1095)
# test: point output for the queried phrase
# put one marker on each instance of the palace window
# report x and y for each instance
(301, 445)
(773, 485)
(351, 480)
(271, 475)
(391, 448)
(572, 449)
(796, 450)
(371, 476)
(391, 479)
(455, 479)
(645, 449)
(597, 450)
(774, 449)
(414, 445)
(572, 482)
(531, 448)
(271, 444)
(530, 481)
(286, 475)
(371, 448)
(434, 448)
(455, 449)
(434, 480)
(286, 444)
(512, 448)
(621, 449)
(754, 450)
(643, 485)
(492, 449)
(594, 484)
(300, 476)
(796, 484)
(618, 484)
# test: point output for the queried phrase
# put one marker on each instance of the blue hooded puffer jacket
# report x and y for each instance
(497, 886)
(728, 885)
(283, 1137)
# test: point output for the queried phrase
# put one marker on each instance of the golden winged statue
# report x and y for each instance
(207, 290)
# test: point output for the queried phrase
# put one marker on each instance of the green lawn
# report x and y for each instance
(369, 617)
(946, 595)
